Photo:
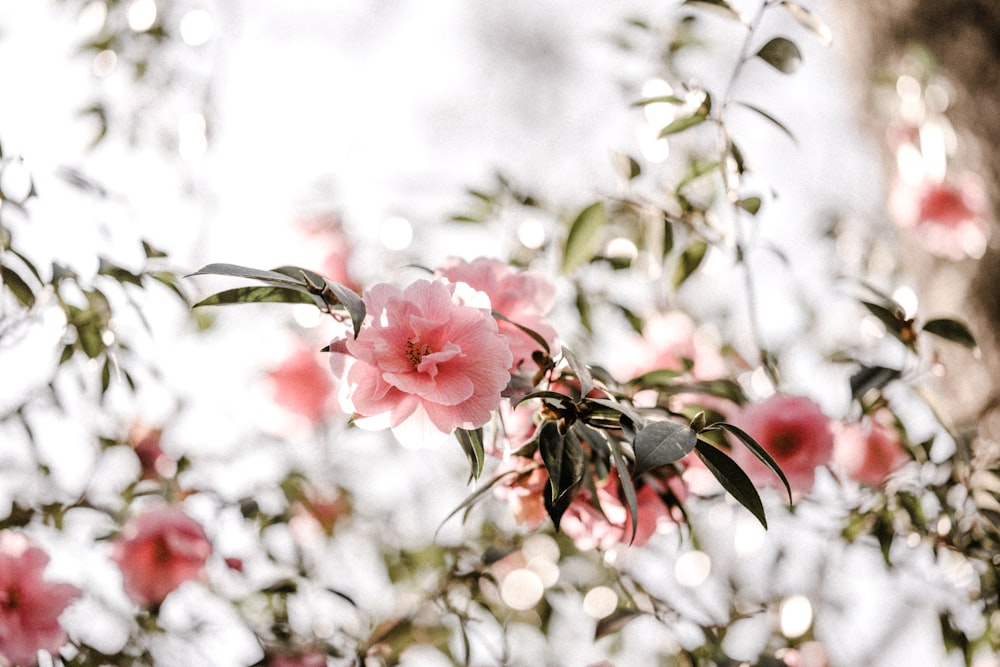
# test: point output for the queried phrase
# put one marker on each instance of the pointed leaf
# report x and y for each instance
(472, 444)
(952, 330)
(781, 54)
(689, 260)
(771, 119)
(661, 442)
(582, 239)
(759, 452)
(615, 621)
(271, 277)
(720, 7)
(623, 408)
(261, 294)
(580, 370)
(471, 499)
(749, 204)
(871, 377)
(20, 289)
(628, 487)
(732, 478)
(681, 124)
(810, 21)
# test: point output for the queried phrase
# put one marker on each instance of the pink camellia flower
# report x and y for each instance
(145, 443)
(302, 385)
(794, 431)
(307, 659)
(29, 605)
(424, 363)
(524, 297)
(590, 528)
(950, 219)
(869, 450)
(158, 551)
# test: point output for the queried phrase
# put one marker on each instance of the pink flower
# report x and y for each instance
(794, 431)
(808, 654)
(869, 450)
(524, 297)
(307, 659)
(950, 219)
(424, 362)
(522, 488)
(158, 551)
(302, 385)
(145, 443)
(29, 605)
(593, 528)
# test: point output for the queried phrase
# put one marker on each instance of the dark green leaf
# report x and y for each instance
(810, 21)
(480, 492)
(871, 377)
(270, 277)
(668, 234)
(350, 300)
(661, 442)
(720, 7)
(952, 330)
(583, 309)
(580, 370)
(17, 287)
(659, 99)
(893, 320)
(689, 260)
(771, 119)
(759, 452)
(615, 621)
(261, 294)
(581, 242)
(106, 375)
(781, 54)
(151, 252)
(628, 487)
(563, 459)
(621, 408)
(696, 170)
(732, 478)
(472, 444)
(537, 337)
(626, 165)
(121, 274)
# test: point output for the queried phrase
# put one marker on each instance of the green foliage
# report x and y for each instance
(661, 442)
(581, 242)
(782, 54)
(732, 478)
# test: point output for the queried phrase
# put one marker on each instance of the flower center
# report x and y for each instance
(415, 351)
(9, 599)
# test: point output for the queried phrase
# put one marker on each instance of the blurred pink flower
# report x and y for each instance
(593, 528)
(794, 431)
(869, 450)
(524, 297)
(158, 551)
(303, 385)
(307, 659)
(145, 443)
(950, 219)
(29, 605)
(522, 488)
(424, 362)
(327, 232)
(669, 342)
(808, 654)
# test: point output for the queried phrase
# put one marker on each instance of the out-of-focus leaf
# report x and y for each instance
(749, 204)
(615, 621)
(659, 99)
(472, 444)
(732, 478)
(17, 286)
(810, 21)
(260, 294)
(627, 166)
(170, 281)
(782, 54)
(770, 118)
(668, 234)
(696, 170)
(759, 452)
(621, 408)
(720, 7)
(689, 260)
(896, 323)
(681, 124)
(582, 239)
(661, 442)
(871, 377)
(119, 273)
(952, 330)
(151, 252)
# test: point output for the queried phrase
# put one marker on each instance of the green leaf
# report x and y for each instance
(668, 234)
(628, 487)
(681, 124)
(750, 204)
(261, 294)
(621, 408)
(768, 117)
(720, 7)
(472, 444)
(895, 322)
(563, 459)
(580, 370)
(661, 442)
(871, 377)
(17, 286)
(615, 621)
(270, 277)
(759, 452)
(471, 499)
(151, 252)
(121, 274)
(659, 99)
(732, 478)
(781, 54)
(582, 239)
(689, 260)
(626, 165)
(696, 170)
(810, 21)
(952, 330)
